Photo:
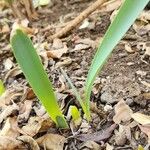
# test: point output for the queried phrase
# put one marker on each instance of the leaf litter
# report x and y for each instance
(121, 89)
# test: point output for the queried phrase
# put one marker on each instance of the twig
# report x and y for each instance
(78, 19)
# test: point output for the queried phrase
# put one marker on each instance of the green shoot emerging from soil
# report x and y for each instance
(122, 22)
(34, 72)
(2, 89)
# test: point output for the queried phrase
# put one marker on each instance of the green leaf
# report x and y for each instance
(76, 117)
(2, 89)
(122, 22)
(34, 72)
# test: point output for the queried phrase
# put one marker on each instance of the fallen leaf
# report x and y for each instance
(109, 147)
(85, 24)
(66, 61)
(7, 97)
(25, 110)
(8, 111)
(97, 136)
(57, 53)
(90, 145)
(10, 128)
(128, 48)
(111, 5)
(122, 112)
(8, 64)
(12, 73)
(146, 129)
(120, 136)
(29, 140)
(36, 125)
(9, 143)
(57, 44)
(141, 118)
(52, 141)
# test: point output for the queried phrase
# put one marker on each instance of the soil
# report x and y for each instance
(125, 76)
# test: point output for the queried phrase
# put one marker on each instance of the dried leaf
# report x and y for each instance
(10, 128)
(111, 5)
(97, 136)
(146, 130)
(8, 64)
(25, 110)
(90, 145)
(36, 125)
(29, 140)
(141, 118)
(9, 143)
(128, 48)
(109, 147)
(52, 141)
(122, 112)
(8, 111)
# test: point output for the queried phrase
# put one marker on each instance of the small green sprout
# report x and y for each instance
(2, 88)
(76, 117)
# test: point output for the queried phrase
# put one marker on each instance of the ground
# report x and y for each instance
(121, 89)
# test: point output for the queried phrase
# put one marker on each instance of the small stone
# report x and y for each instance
(129, 101)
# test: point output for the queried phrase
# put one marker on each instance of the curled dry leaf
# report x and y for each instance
(109, 147)
(29, 140)
(30, 94)
(8, 111)
(128, 48)
(97, 136)
(141, 118)
(9, 143)
(35, 125)
(145, 16)
(25, 110)
(8, 64)
(10, 128)
(120, 136)
(57, 53)
(12, 73)
(66, 61)
(122, 112)
(146, 129)
(8, 96)
(52, 141)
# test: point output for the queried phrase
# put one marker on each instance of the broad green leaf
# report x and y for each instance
(34, 72)
(122, 22)
(2, 89)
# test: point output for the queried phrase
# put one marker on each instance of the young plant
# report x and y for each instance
(2, 89)
(33, 70)
(127, 14)
(76, 117)
(122, 22)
